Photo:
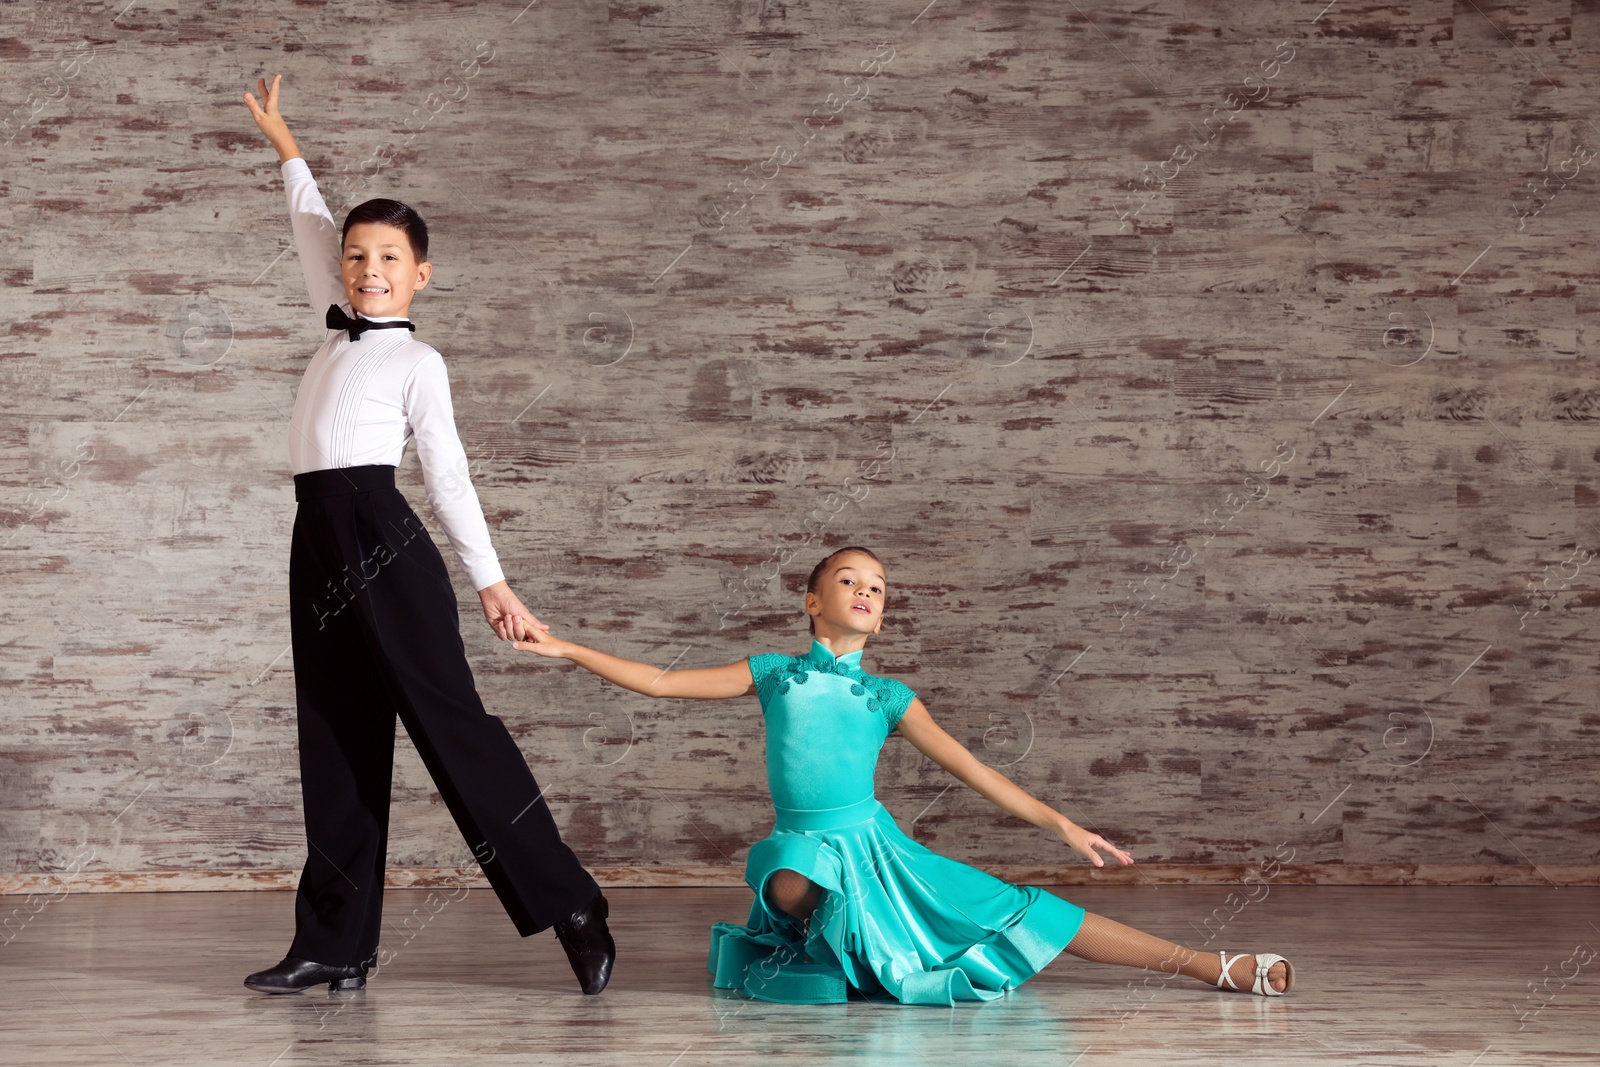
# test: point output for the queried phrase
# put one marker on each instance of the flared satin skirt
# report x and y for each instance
(895, 919)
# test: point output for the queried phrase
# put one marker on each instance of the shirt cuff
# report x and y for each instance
(486, 574)
(295, 168)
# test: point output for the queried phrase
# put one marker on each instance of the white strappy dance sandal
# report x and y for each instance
(1264, 962)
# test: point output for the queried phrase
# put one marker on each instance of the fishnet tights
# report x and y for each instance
(793, 893)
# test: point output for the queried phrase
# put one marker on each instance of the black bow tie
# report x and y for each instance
(338, 320)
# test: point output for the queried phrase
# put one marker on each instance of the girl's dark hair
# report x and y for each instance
(391, 213)
(822, 568)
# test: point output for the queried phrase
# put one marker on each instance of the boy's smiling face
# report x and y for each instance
(380, 272)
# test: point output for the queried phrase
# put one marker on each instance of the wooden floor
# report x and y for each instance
(1429, 976)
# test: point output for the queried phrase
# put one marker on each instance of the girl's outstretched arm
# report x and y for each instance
(932, 741)
(708, 683)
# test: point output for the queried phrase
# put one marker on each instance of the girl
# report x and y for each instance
(844, 899)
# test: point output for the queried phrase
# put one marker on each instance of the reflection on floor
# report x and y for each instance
(1384, 976)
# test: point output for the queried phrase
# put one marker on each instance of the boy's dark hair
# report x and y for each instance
(822, 568)
(391, 213)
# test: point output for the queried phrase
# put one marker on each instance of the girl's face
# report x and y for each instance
(849, 597)
(381, 274)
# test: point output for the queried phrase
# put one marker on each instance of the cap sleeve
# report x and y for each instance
(764, 671)
(894, 700)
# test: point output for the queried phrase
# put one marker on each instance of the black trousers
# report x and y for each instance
(376, 634)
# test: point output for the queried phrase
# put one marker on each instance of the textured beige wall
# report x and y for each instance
(1313, 384)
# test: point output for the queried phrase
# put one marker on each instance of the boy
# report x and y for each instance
(373, 614)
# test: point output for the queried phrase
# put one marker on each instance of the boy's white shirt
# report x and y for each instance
(360, 402)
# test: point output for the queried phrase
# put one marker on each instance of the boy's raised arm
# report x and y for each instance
(316, 235)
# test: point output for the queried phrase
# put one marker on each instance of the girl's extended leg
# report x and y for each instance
(1104, 940)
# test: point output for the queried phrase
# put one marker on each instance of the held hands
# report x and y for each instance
(1085, 842)
(507, 617)
(545, 644)
(270, 121)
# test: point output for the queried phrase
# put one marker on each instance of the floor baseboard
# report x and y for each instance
(1352, 874)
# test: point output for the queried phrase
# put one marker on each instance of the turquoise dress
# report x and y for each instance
(894, 918)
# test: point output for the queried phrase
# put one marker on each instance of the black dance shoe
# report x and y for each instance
(588, 942)
(293, 975)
